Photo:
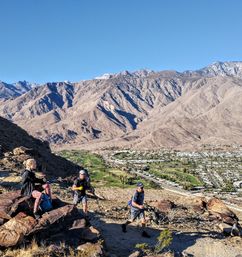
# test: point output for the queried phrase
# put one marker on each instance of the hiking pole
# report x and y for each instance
(92, 191)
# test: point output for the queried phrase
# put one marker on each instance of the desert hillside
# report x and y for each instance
(143, 109)
(16, 145)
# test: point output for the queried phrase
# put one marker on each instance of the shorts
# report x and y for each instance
(79, 199)
(136, 214)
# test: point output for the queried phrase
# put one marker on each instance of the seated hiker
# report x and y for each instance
(137, 209)
(33, 186)
(80, 185)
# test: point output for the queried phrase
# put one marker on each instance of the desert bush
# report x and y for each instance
(163, 240)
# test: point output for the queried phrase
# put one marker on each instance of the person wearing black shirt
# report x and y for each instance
(79, 187)
(33, 186)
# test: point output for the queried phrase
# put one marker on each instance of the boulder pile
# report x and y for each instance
(62, 224)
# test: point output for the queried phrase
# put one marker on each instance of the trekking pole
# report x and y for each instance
(96, 197)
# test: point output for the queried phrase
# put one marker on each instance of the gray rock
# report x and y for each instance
(135, 254)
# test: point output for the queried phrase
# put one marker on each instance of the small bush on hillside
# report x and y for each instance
(163, 240)
(144, 247)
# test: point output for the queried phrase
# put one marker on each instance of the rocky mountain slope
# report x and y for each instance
(16, 145)
(142, 109)
(11, 91)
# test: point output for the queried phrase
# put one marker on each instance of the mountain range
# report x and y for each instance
(142, 109)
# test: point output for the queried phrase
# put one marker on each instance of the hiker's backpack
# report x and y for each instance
(130, 201)
(45, 204)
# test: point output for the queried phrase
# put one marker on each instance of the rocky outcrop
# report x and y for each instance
(219, 210)
(63, 223)
(17, 146)
(91, 250)
(198, 204)
(8, 200)
(13, 231)
(164, 206)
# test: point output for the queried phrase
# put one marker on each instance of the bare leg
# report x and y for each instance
(47, 189)
(143, 222)
(37, 195)
(143, 225)
(85, 208)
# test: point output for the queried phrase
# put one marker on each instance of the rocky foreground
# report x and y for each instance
(199, 227)
(63, 224)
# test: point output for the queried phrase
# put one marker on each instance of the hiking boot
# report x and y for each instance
(37, 216)
(124, 229)
(145, 234)
(235, 231)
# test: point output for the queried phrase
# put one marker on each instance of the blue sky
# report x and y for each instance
(56, 40)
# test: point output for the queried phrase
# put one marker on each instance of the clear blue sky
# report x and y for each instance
(56, 40)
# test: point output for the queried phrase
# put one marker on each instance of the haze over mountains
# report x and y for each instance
(143, 109)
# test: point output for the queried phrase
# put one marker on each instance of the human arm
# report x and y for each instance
(77, 186)
(25, 176)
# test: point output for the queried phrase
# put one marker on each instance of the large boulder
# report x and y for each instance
(80, 232)
(16, 218)
(136, 254)
(198, 204)
(220, 211)
(91, 250)
(7, 200)
(164, 206)
(4, 217)
(89, 234)
(14, 231)
(53, 216)
(22, 150)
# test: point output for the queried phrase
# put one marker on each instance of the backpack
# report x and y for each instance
(130, 201)
(45, 204)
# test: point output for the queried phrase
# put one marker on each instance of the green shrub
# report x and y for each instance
(144, 247)
(163, 240)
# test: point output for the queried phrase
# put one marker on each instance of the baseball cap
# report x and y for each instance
(140, 184)
(82, 172)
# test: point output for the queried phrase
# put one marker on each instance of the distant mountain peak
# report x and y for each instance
(223, 69)
(219, 68)
(104, 76)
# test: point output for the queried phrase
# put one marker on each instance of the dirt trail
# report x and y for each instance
(190, 240)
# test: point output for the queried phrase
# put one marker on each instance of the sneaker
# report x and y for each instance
(145, 234)
(124, 228)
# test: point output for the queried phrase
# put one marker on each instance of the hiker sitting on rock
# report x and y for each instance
(33, 186)
(137, 209)
(79, 187)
